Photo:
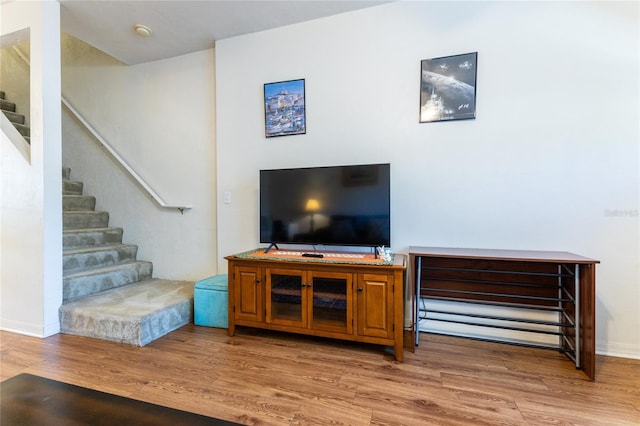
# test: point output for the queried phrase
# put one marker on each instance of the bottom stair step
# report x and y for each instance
(136, 314)
(93, 281)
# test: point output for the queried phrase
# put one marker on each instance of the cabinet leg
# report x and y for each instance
(399, 351)
(231, 330)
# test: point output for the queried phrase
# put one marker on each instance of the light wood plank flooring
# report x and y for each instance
(268, 378)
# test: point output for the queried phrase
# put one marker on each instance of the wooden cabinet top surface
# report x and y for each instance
(331, 259)
(495, 254)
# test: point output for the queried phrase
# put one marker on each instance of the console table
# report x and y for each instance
(556, 282)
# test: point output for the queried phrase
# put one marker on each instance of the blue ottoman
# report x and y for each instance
(211, 301)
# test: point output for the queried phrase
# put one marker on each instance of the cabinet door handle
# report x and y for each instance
(360, 288)
(258, 281)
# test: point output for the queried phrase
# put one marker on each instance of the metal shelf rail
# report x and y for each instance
(452, 283)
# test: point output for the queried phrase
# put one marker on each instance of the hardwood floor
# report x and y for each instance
(268, 378)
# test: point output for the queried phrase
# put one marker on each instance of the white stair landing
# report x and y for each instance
(135, 314)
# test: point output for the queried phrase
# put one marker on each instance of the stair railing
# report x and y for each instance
(153, 194)
(122, 161)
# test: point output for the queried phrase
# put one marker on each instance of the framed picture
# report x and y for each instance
(284, 108)
(448, 88)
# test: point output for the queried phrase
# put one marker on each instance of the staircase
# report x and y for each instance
(107, 292)
(9, 109)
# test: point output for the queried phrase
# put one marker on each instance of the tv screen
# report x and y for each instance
(339, 205)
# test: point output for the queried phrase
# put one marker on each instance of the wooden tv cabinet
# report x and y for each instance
(559, 283)
(335, 297)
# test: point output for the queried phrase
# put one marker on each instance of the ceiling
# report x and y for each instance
(180, 27)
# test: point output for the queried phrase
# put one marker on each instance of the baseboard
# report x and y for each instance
(621, 350)
(19, 327)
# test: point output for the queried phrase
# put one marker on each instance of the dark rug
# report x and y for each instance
(31, 400)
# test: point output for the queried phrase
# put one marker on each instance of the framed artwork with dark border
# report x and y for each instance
(448, 88)
(284, 108)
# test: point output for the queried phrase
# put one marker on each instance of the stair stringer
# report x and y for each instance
(15, 138)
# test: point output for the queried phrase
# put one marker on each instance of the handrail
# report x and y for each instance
(22, 55)
(122, 161)
(113, 152)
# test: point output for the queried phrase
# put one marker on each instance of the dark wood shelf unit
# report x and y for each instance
(559, 282)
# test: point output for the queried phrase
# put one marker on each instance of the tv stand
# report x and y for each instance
(342, 298)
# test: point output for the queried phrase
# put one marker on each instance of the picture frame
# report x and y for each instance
(448, 88)
(285, 108)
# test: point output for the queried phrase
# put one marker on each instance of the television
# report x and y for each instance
(337, 205)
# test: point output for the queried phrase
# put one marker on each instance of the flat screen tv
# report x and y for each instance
(338, 205)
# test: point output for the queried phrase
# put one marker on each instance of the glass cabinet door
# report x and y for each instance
(309, 299)
(330, 304)
(285, 297)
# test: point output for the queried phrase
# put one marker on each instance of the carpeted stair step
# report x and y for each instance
(66, 173)
(2, 94)
(18, 120)
(22, 129)
(81, 238)
(135, 314)
(78, 203)
(84, 219)
(97, 257)
(14, 117)
(72, 187)
(87, 283)
(7, 106)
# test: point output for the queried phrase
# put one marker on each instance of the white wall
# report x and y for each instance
(31, 205)
(159, 117)
(550, 163)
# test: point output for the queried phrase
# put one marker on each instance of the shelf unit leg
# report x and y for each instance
(576, 281)
(561, 337)
(417, 302)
